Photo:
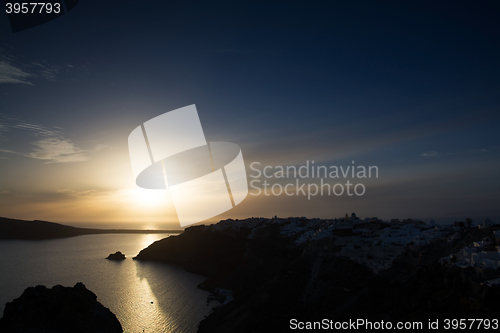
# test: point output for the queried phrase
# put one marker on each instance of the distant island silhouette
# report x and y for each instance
(36, 230)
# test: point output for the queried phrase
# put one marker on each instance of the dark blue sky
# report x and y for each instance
(409, 86)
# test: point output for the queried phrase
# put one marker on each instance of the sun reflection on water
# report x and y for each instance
(142, 310)
(157, 297)
(149, 239)
(144, 296)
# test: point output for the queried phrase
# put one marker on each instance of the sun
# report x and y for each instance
(146, 197)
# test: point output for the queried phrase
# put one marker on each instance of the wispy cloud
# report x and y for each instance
(57, 150)
(7, 124)
(14, 72)
(74, 193)
(51, 145)
(48, 71)
(38, 130)
(431, 153)
(9, 73)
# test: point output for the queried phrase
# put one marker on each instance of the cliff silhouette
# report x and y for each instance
(59, 309)
(274, 279)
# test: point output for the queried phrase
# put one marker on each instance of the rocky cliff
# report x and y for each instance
(58, 310)
(274, 279)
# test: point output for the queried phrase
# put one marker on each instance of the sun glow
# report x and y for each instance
(150, 197)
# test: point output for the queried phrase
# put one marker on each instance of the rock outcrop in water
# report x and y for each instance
(116, 256)
(275, 275)
(59, 309)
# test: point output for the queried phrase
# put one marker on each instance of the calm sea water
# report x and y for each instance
(145, 296)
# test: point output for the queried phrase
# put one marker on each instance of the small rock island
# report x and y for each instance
(116, 256)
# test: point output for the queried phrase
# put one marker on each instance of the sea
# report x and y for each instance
(145, 296)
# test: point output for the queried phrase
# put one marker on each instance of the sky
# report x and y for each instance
(410, 87)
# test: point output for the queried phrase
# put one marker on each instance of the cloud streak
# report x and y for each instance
(12, 74)
(51, 145)
(38, 130)
(48, 71)
(57, 150)
(430, 154)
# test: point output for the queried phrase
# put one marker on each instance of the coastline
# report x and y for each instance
(37, 230)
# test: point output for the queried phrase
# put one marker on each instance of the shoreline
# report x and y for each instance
(38, 230)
